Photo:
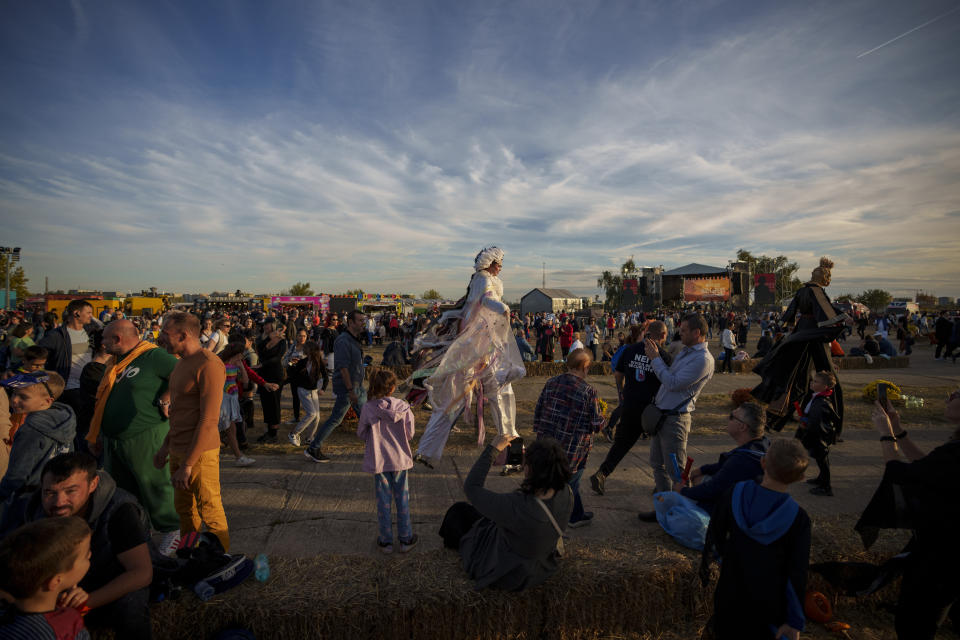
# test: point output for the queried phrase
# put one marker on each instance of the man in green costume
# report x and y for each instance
(130, 423)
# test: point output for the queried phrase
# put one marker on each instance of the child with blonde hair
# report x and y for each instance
(386, 425)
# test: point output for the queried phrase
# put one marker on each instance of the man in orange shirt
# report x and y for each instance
(193, 443)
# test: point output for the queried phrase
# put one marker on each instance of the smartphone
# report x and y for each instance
(882, 395)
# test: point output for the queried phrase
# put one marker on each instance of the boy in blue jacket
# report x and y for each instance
(48, 430)
(762, 538)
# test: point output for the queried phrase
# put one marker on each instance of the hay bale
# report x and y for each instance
(602, 589)
(636, 586)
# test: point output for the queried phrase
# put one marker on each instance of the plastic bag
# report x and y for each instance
(682, 519)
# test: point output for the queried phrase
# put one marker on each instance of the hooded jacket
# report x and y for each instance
(44, 434)
(386, 425)
(763, 540)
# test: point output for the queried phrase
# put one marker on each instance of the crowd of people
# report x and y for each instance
(113, 427)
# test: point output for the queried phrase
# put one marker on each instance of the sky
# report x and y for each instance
(232, 144)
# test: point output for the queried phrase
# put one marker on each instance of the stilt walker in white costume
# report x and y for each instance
(474, 356)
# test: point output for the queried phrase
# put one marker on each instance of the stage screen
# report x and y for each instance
(630, 293)
(706, 289)
(764, 288)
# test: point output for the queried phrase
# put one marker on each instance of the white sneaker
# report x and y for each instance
(169, 543)
(244, 461)
(294, 439)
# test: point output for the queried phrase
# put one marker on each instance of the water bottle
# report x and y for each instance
(203, 590)
(261, 567)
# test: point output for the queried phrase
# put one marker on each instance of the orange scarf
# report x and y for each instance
(106, 386)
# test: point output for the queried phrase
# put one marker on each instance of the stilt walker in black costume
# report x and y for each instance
(790, 365)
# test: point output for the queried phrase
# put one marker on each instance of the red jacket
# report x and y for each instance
(566, 336)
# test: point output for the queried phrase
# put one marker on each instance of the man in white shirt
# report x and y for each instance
(729, 343)
(68, 349)
(68, 345)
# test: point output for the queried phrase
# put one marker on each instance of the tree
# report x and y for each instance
(301, 289)
(431, 294)
(18, 280)
(875, 299)
(846, 298)
(354, 292)
(613, 287)
(786, 282)
(612, 284)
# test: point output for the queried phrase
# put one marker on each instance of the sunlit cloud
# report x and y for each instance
(380, 149)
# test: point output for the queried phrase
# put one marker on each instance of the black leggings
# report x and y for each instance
(727, 360)
(628, 432)
(270, 403)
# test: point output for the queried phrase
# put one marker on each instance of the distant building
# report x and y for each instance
(549, 301)
(944, 301)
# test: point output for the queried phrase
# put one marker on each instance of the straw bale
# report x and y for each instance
(635, 586)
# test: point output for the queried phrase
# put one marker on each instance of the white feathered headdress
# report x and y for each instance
(487, 257)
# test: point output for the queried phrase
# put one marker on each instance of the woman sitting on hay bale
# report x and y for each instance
(512, 541)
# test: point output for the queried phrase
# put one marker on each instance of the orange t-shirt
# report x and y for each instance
(196, 390)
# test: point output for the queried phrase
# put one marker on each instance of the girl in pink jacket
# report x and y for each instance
(386, 425)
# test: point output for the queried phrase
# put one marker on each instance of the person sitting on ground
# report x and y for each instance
(526, 351)
(836, 351)
(40, 566)
(745, 426)
(608, 351)
(762, 538)
(819, 428)
(577, 343)
(509, 541)
(120, 567)
(48, 430)
(870, 346)
(764, 344)
(886, 347)
(919, 493)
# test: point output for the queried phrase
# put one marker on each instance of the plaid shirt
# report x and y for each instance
(568, 412)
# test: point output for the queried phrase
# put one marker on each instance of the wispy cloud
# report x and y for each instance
(386, 148)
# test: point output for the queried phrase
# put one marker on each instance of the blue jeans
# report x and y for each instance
(577, 513)
(340, 407)
(392, 486)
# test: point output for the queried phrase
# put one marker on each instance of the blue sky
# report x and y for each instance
(196, 146)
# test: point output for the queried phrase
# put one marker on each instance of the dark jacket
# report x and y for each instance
(60, 350)
(764, 344)
(942, 328)
(104, 502)
(300, 377)
(347, 354)
(512, 546)
(762, 538)
(737, 465)
(44, 435)
(820, 425)
(393, 355)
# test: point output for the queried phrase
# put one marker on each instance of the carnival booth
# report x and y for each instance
(317, 304)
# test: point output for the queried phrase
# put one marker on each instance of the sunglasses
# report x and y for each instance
(733, 417)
